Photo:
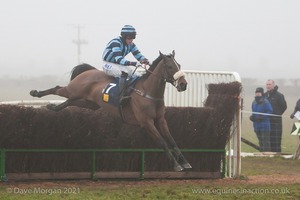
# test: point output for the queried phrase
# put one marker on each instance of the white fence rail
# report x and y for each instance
(196, 92)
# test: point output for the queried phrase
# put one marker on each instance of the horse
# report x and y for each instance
(146, 107)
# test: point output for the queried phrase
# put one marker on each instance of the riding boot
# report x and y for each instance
(122, 88)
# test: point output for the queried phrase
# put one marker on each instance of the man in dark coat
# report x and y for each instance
(278, 103)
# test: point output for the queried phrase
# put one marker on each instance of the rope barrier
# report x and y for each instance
(273, 115)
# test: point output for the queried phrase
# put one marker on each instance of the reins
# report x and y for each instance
(144, 67)
(155, 75)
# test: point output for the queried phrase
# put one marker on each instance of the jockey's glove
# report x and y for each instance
(145, 61)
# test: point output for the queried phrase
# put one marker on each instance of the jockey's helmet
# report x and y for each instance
(128, 31)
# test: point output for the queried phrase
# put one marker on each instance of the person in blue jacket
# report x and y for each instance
(261, 122)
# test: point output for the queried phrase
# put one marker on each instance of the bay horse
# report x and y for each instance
(146, 107)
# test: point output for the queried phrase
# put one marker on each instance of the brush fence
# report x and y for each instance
(197, 96)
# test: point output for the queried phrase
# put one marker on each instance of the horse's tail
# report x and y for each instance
(80, 69)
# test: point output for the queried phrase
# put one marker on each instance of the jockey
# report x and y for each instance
(114, 62)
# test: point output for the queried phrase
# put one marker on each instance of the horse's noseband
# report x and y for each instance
(178, 74)
(175, 77)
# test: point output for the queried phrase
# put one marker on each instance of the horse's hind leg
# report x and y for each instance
(74, 102)
(61, 106)
(58, 107)
(58, 90)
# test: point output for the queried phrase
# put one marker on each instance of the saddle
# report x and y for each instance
(111, 92)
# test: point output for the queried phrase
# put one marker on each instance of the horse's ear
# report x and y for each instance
(173, 53)
(160, 53)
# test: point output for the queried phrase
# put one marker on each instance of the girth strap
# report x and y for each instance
(144, 94)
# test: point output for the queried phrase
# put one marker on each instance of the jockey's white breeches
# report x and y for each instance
(113, 69)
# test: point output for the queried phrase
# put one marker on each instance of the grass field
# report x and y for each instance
(262, 178)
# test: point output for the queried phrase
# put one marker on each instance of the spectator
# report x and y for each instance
(261, 122)
(278, 103)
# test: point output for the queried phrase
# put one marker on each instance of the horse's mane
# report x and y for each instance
(153, 66)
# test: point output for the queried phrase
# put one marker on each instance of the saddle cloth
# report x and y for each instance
(110, 93)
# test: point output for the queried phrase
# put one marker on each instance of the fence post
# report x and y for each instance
(142, 172)
(2, 165)
(224, 165)
(93, 164)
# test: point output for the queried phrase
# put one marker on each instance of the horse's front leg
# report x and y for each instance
(164, 130)
(58, 90)
(151, 129)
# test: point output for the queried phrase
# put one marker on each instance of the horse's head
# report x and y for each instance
(173, 74)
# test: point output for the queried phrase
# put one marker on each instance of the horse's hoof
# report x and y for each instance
(178, 168)
(51, 106)
(34, 93)
(186, 166)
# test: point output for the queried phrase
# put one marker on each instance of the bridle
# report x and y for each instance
(172, 79)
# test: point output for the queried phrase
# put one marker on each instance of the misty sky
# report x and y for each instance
(256, 38)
